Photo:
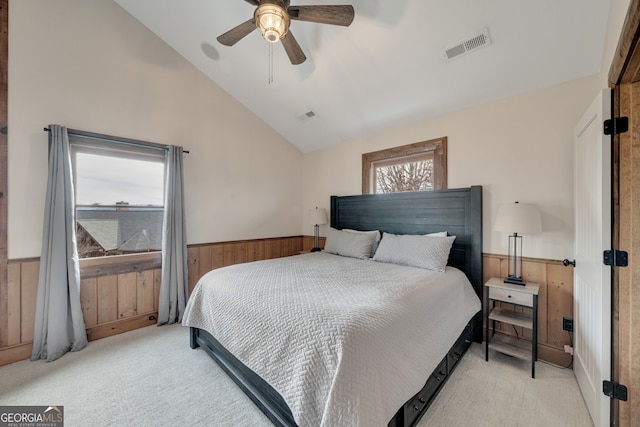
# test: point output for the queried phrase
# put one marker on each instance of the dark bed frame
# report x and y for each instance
(457, 211)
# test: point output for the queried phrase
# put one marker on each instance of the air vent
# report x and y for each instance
(307, 115)
(467, 45)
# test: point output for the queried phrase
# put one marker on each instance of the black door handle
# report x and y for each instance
(567, 263)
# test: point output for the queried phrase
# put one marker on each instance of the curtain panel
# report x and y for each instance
(59, 325)
(173, 287)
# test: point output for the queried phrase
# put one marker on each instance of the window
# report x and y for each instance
(415, 167)
(119, 190)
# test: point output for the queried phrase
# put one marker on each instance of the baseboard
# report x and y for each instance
(120, 326)
(22, 351)
(555, 356)
(15, 353)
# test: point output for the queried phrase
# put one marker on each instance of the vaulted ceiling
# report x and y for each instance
(388, 69)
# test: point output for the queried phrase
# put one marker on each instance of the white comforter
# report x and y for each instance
(344, 341)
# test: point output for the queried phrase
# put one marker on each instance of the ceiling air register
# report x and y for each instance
(467, 45)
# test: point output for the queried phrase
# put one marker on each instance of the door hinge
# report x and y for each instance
(614, 390)
(616, 125)
(616, 258)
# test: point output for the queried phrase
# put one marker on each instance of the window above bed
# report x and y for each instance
(415, 167)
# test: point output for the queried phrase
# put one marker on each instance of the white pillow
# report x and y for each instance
(429, 252)
(350, 244)
(439, 233)
(376, 241)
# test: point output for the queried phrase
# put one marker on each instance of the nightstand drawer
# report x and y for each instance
(511, 296)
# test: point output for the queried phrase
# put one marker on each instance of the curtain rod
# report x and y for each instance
(111, 138)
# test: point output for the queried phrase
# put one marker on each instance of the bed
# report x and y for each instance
(376, 358)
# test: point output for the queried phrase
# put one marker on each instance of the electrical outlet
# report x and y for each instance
(567, 324)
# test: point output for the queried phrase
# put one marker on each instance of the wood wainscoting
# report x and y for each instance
(555, 301)
(120, 293)
(206, 257)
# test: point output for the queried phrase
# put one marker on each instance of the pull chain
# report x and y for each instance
(270, 63)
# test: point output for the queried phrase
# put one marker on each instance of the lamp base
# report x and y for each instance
(315, 249)
(513, 280)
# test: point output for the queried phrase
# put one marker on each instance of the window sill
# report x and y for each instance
(119, 264)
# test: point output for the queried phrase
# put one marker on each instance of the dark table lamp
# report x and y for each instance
(318, 216)
(517, 218)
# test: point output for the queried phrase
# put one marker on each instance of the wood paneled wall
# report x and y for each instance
(5, 308)
(204, 258)
(555, 301)
(119, 294)
(22, 284)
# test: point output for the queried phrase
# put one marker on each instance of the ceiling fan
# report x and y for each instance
(273, 17)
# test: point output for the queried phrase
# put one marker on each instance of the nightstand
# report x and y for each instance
(515, 295)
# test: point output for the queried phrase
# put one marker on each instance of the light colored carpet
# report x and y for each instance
(150, 377)
(501, 392)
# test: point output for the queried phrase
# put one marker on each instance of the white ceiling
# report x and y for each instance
(387, 69)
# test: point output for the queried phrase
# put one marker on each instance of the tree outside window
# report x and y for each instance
(415, 167)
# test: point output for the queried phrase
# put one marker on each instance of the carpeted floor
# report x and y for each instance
(150, 377)
(501, 392)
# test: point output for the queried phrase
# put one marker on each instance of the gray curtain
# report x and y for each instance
(59, 325)
(173, 288)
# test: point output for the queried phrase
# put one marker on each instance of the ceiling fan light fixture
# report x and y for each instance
(273, 17)
(272, 20)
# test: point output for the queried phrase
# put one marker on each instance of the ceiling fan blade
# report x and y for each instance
(235, 34)
(336, 15)
(293, 49)
(253, 2)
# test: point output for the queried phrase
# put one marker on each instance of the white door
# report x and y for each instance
(592, 279)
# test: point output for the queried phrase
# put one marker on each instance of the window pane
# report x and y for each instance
(119, 205)
(103, 231)
(105, 180)
(421, 166)
(408, 176)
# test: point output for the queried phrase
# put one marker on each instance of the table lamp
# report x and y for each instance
(517, 218)
(318, 216)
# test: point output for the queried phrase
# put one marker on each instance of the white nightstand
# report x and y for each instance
(516, 295)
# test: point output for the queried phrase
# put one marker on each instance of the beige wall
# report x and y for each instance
(519, 148)
(89, 65)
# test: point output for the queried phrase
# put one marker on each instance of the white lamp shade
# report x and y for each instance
(318, 216)
(521, 218)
